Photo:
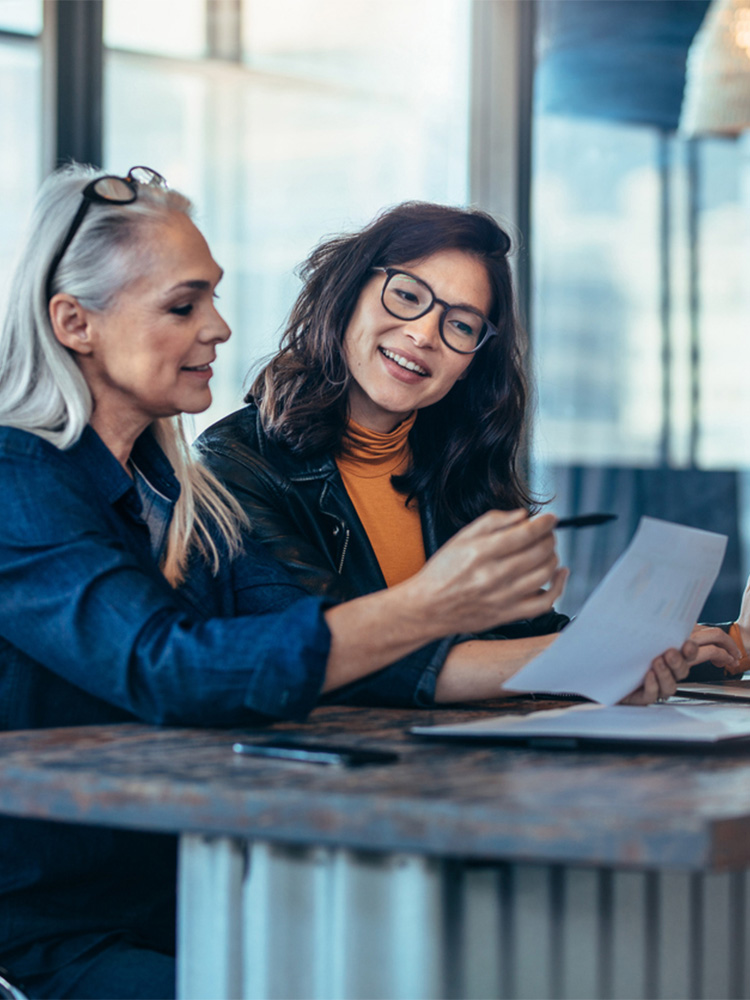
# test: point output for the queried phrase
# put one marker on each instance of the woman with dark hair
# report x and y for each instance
(391, 417)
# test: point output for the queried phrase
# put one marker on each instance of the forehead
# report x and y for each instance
(456, 276)
(169, 250)
(174, 240)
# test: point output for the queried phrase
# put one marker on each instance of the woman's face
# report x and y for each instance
(398, 366)
(150, 354)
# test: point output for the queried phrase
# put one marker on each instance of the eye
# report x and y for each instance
(406, 296)
(182, 310)
(463, 328)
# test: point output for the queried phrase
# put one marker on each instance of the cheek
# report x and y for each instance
(458, 371)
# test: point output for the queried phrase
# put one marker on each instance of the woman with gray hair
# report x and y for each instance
(129, 588)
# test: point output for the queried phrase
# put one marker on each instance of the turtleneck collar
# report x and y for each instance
(374, 452)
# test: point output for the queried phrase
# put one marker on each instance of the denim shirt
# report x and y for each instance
(92, 633)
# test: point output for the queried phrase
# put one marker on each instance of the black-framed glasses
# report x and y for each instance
(462, 328)
(110, 190)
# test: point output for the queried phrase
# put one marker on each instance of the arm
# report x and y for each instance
(490, 572)
(77, 596)
(282, 523)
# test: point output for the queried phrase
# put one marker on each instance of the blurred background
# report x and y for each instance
(289, 120)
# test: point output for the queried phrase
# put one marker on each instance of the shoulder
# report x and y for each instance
(45, 492)
(15, 443)
(236, 439)
(241, 429)
(239, 445)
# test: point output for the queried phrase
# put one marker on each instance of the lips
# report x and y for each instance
(404, 361)
(206, 366)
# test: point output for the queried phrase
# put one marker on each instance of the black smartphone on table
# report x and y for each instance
(304, 752)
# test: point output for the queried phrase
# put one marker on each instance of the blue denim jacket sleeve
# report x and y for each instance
(81, 597)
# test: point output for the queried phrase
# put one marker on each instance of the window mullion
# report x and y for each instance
(73, 59)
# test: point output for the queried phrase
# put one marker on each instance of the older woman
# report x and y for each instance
(128, 588)
(390, 418)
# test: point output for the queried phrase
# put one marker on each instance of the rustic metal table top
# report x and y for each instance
(653, 810)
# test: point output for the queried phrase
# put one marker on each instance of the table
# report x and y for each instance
(458, 872)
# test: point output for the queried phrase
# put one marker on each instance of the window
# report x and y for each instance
(641, 305)
(307, 119)
(20, 111)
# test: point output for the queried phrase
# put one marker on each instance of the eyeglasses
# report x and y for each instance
(110, 190)
(462, 328)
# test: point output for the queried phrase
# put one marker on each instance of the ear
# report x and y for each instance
(70, 323)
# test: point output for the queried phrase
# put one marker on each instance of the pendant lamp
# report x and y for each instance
(716, 99)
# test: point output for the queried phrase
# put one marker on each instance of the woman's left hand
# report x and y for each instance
(664, 674)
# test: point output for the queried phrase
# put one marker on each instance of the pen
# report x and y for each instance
(585, 520)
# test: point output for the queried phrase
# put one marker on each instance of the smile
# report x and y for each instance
(403, 362)
(196, 368)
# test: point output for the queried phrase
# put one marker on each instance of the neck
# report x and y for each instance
(119, 436)
(365, 413)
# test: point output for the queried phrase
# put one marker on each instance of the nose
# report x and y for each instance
(425, 331)
(215, 330)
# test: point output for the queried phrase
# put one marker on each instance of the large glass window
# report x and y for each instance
(321, 115)
(20, 123)
(641, 304)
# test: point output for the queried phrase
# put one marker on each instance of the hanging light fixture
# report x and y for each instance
(716, 100)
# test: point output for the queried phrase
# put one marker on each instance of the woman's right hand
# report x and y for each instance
(491, 572)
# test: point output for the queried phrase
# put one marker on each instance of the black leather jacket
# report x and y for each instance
(299, 508)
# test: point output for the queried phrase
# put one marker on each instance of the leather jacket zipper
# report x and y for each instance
(347, 533)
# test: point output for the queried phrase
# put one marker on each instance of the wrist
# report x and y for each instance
(409, 605)
(742, 641)
(741, 635)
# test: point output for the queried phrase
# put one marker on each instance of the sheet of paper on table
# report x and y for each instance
(655, 724)
(648, 602)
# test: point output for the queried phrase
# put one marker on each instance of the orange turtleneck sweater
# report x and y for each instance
(367, 462)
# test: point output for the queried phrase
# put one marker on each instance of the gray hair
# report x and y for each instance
(42, 389)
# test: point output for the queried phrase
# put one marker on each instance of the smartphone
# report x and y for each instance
(284, 748)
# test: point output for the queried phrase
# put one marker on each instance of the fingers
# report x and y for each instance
(646, 694)
(511, 531)
(661, 678)
(500, 568)
(677, 663)
(715, 645)
(668, 669)
(557, 585)
(541, 601)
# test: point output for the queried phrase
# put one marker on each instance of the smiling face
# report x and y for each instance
(398, 366)
(149, 354)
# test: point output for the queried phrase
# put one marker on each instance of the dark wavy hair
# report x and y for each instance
(464, 447)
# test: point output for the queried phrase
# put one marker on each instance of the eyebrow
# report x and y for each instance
(199, 284)
(453, 305)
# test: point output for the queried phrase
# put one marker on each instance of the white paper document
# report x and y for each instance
(647, 603)
(655, 724)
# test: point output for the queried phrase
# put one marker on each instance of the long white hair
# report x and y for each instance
(42, 389)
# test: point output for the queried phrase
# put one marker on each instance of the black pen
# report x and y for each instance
(585, 520)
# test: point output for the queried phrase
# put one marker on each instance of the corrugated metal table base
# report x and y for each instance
(258, 920)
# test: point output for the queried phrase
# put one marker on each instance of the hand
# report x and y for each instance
(743, 619)
(664, 674)
(716, 646)
(492, 572)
